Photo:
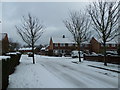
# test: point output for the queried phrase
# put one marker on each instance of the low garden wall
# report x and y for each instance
(110, 59)
(8, 67)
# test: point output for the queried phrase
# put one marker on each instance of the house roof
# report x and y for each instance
(2, 35)
(43, 48)
(62, 40)
(110, 42)
(85, 42)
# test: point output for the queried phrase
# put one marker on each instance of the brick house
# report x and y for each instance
(97, 47)
(64, 46)
(4, 43)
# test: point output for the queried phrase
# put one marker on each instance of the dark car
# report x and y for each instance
(30, 54)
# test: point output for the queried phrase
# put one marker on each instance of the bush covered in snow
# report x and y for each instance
(5, 74)
(8, 67)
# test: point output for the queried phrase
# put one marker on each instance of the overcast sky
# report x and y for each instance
(51, 14)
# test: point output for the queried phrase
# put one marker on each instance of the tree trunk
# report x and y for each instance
(33, 58)
(79, 52)
(79, 56)
(105, 61)
(33, 53)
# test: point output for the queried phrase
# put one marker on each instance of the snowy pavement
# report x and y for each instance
(60, 72)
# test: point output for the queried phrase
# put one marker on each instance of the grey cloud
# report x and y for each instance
(50, 13)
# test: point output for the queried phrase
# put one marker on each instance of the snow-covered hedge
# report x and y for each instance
(4, 57)
(8, 67)
(5, 68)
(13, 53)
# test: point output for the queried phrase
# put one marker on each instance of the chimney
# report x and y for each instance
(63, 36)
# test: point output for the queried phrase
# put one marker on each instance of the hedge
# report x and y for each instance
(8, 67)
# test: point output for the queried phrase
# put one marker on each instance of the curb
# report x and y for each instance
(104, 68)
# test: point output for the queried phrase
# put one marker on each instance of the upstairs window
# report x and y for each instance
(62, 44)
(56, 44)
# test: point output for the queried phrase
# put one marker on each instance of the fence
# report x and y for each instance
(109, 59)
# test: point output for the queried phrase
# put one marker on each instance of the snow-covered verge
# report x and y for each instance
(109, 66)
(60, 72)
(30, 75)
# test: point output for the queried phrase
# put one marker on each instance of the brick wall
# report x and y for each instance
(95, 45)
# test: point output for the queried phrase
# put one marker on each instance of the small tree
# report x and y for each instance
(78, 24)
(30, 31)
(104, 16)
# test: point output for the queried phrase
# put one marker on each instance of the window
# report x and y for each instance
(70, 44)
(60, 51)
(56, 44)
(107, 45)
(55, 51)
(62, 44)
(113, 45)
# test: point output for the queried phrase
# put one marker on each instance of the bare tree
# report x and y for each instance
(30, 31)
(78, 24)
(104, 16)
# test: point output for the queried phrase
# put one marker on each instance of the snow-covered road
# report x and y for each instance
(60, 72)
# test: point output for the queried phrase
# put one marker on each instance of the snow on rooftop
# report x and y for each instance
(43, 48)
(85, 42)
(62, 40)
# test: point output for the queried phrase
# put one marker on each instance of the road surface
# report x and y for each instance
(60, 72)
(79, 75)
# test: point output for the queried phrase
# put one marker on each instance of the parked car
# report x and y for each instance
(67, 54)
(75, 54)
(94, 54)
(109, 53)
(30, 54)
